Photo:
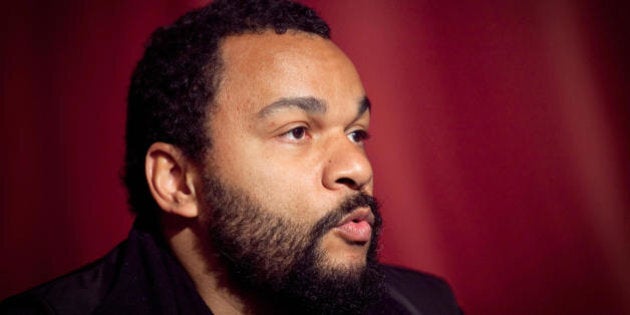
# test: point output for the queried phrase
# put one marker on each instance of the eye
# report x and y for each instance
(359, 136)
(295, 134)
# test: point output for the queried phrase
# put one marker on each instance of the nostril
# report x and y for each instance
(347, 181)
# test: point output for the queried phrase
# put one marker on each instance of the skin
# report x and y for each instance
(288, 129)
(255, 142)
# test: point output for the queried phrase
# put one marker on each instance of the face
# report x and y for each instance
(288, 185)
(288, 129)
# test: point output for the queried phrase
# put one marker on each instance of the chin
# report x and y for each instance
(339, 254)
(351, 263)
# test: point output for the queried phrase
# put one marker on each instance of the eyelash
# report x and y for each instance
(362, 136)
(291, 134)
(298, 133)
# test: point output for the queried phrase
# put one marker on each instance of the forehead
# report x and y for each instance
(263, 67)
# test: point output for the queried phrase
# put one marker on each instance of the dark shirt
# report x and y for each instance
(141, 276)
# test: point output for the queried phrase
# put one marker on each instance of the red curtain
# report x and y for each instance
(500, 134)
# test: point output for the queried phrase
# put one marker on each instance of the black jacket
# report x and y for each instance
(140, 276)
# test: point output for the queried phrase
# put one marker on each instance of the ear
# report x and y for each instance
(171, 178)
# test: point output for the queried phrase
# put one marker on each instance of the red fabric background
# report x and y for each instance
(499, 141)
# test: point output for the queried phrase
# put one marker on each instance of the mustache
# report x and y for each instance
(331, 220)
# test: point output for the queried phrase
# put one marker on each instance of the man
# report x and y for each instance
(246, 167)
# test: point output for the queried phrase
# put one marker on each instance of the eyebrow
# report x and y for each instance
(364, 105)
(307, 104)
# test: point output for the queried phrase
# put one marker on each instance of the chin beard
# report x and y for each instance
(281, 262)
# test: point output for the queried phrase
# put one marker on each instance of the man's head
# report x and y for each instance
(283, 193)
(173, 87)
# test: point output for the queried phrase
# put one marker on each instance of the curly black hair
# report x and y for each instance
(173, 86)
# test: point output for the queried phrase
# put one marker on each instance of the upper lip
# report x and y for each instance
(359, 214)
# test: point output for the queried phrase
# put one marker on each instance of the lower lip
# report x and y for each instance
(355, 231)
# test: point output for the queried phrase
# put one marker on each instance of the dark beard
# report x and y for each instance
(281, 262)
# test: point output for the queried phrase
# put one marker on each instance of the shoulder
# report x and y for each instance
(79, 292)
(419, 292)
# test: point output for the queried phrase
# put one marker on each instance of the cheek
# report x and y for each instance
(280, 183)
(284, 180)
(288, 189)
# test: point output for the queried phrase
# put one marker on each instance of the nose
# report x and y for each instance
(347, 167)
